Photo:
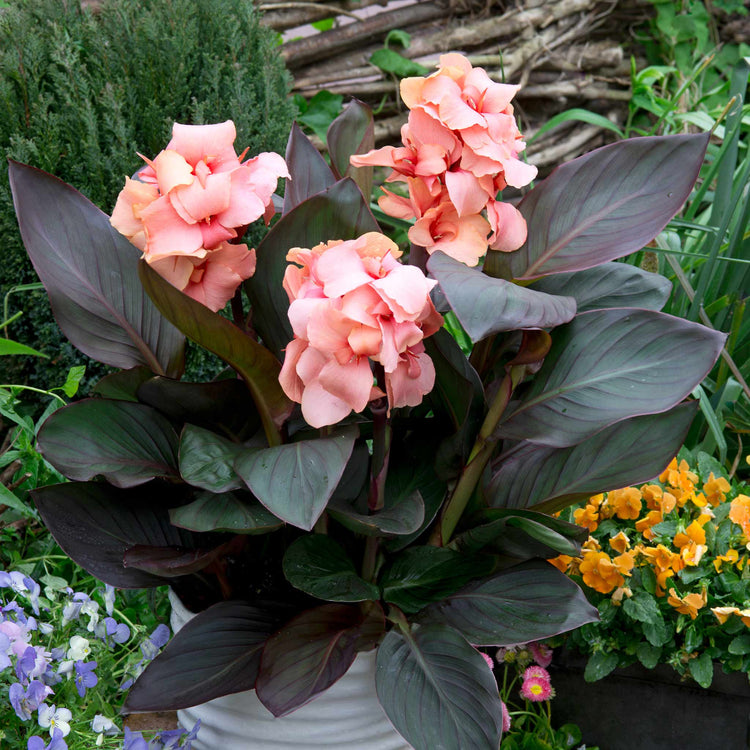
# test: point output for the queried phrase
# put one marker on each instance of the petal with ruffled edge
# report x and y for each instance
(172, 170)
(168, 234)
(414, 377)
(176, 269)
(213, 144)
(198, 202)
(351, 382)
(126, 216)
(223, 270)
(406, 290)
(340, 269)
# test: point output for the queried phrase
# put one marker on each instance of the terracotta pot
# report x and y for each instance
(635, 708)
(347, 716)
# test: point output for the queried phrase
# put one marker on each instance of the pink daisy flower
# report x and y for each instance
(542, 653)
(506, 718)
(536, 685)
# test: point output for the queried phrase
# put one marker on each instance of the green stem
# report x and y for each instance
(36, 390)
(479, 456)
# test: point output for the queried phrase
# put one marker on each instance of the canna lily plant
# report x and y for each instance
(378, 464)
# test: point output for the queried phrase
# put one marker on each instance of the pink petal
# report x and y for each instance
(351, 382)
(341, 270)
(214, 233)
(466, 192)
(213, 144)
(328, 331)
(197, 201)
(508, 226)
(518, 173)
(176, 269)
(134, 197)
(406, 289)
(321, 408)
(377, 157)
(171, 170)
(168, 234)
(412, 380)
(299, 313)
(411, 91)
(291, 383)
(456, 61)
(244, 205)
(224, 269)
(365, 341)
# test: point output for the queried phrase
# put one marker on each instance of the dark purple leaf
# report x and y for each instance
(123, 385)
(170, 562)
(314, 650)
(207, 460)
(528, 602)
(295, 481)
(629, 452)
(90, 272)
(438, 691)
(125, 442)
(257, 366)
(485, 305)
(523, 534)
(224, 406)
(308, 169)
(96, 523)
(339, 213)
(216, 653)
(609, 365)
(609, 285)
(607, 203)
(352, 132)
(402, 515)
(237, 512)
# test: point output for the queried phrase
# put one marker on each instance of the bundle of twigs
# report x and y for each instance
(564, 53)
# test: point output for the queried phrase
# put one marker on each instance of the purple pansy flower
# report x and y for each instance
(134, 741)
(25, 702)
(85, 677)
(56, 743)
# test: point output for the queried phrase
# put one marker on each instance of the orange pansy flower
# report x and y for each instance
(588, 517)
(688, 604)
(626, 502)
(732, 556)
(599, 572)
(716, 489)
(693, 533)
(739, 513)
(620, 542)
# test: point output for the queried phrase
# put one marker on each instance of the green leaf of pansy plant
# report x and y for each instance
(296, 481)
(609, 365)
(90, 272)
(607, 203)
(486, 305)
(317, 565)
(257, 366)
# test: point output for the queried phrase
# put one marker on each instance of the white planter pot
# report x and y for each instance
(347, 716)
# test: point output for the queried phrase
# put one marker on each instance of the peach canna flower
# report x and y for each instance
(351, 302)
(460, 149)
(190, 202)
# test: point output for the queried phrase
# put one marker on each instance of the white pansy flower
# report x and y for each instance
(51, 717)
(79, 648)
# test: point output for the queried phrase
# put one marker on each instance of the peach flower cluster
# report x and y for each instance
(191, 202)
(460, 148)
(351, 302)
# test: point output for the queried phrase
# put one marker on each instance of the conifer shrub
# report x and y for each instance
(81, 92)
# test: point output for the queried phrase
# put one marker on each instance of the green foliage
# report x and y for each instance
(81, 93)
(677, 592)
